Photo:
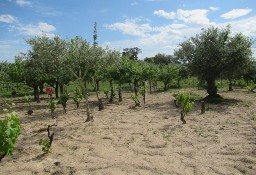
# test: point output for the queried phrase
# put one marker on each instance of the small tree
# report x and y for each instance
(167, 74)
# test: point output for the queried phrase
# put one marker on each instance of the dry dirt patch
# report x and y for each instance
(146, 140)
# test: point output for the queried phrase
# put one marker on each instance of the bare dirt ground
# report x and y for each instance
(146, 140)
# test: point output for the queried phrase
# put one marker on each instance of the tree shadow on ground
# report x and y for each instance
(42, 116)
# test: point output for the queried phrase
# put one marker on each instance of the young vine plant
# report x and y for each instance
(52, 105)
(77, 98)
(28, 99)
(135, 99)
(184, 100)
(63, 101)
(10, 129)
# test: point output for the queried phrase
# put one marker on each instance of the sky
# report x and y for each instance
(154, 26)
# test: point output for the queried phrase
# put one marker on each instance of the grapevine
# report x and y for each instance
(10, 129)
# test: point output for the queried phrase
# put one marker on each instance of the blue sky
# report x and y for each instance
(155, 26)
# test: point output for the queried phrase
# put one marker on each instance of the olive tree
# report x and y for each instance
(238, 56)
(214, 52)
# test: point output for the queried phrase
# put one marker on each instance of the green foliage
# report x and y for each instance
(63, 100)
(184, 100)
(142, 90)
(52, 105)
(161, 59)
(216, 52)
(28, 98)
(10, 129)
(131, 53)
(46, 146)
(168, 73)
(106, 91)
(78, 96)
(135, 99)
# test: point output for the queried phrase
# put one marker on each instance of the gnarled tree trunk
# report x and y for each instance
(211, 88)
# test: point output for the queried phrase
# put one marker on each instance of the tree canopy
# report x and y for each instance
(214, 52)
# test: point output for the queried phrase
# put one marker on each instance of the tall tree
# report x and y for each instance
(95, 35)
(208, 54)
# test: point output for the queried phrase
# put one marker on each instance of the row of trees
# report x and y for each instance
(56, 61)
(214, 53)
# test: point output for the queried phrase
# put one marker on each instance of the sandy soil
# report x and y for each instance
(146, 140)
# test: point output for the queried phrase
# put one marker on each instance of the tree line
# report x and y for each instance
(212, 54)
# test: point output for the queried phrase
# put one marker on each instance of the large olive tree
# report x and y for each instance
(214, 52)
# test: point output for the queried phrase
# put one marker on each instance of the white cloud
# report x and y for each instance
(128, 28)
(170, 15)
(7, 18)
(214, 8)
(245, 26)
(10, 48)
(197, 16)
(134, 3)
(236, 13)
(165, 39)
(131, 27)
(23, 3)
(37, 30)
(178, 26)
(151, 39)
